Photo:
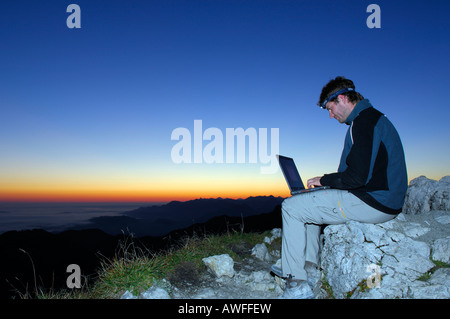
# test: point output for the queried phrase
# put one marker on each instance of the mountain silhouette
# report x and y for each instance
(203, 209)
(160, 219)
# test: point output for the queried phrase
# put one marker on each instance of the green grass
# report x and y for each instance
(136, 270)
(439, 264)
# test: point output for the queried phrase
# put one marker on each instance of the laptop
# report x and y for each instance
(292, 177)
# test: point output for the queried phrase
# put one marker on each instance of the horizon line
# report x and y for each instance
(160, 201)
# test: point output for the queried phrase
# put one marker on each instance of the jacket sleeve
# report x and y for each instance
(358, 159)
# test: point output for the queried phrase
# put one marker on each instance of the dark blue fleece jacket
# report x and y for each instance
(372, 164)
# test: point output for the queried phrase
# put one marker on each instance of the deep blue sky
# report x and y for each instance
(91, 110)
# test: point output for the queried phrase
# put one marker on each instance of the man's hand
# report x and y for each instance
(314, 182)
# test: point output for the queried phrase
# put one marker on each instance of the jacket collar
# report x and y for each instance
(359, 107)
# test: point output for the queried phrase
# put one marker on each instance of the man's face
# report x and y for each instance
(339, 109)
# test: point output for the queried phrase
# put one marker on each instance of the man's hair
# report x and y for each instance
(337, 84)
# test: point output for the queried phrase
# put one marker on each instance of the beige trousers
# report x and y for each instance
(304, 213)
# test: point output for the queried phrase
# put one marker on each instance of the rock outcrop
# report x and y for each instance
(406, 257)
(380, 261)
(426, 194)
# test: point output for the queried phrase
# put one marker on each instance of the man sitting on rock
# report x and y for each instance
(369, 186)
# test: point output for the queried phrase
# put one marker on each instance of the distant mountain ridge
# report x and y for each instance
(206, 208)
(159, 220)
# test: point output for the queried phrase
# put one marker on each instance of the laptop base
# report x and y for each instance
(309, 190)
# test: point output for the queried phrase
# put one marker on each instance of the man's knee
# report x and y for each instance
(291, 207)
(296, 202)
(286, 205)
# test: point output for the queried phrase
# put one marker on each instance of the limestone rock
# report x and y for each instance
(261, 252)
(385, 260)
(128, 295)
(258, 281)
(346, 256)
(442, 217)
(415, 230)
(220, 265)
(155, 293)
(441, 250)
(425, 194)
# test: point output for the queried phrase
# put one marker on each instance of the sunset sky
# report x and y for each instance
(87, 114)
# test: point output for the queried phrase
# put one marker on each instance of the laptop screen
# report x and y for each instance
(290, 173)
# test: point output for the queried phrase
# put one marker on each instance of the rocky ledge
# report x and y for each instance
(407, 257)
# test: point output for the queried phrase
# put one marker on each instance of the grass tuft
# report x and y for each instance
(135, 269)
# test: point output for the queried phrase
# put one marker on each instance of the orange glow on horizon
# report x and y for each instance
(127, 196)
(175, 187)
